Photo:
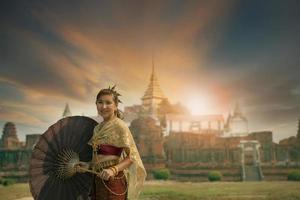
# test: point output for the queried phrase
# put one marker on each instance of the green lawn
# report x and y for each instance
(221, 190)
(167, 190)
(15, 191)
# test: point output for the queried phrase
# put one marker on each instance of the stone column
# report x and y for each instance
(242, 154)
(254, 153)
(243, 161)
(258, 153)
(180, 126)
(274, 159)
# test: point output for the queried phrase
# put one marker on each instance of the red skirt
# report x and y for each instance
(117, 188)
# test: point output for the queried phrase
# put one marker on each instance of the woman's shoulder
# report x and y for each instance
(98, 126)
(120, 124)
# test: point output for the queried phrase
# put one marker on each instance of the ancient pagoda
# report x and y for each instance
(237, 123)
(153, 95)
(67, 112)
(9, 138)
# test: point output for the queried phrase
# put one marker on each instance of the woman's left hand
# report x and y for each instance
(106, 174)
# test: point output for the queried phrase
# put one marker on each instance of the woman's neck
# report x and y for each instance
(109, 119)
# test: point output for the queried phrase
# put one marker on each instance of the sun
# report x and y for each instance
(200, 105)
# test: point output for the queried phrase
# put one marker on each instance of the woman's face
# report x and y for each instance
(106, 106)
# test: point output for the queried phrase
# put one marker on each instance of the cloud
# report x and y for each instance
(51, 52)
(18, 117)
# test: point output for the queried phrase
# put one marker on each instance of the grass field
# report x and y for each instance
(167, 190)
(15, 191)
(222, 191)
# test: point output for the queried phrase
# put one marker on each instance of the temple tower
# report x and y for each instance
(9, 138)
(67, 112)
(153, 95)
(237, 123)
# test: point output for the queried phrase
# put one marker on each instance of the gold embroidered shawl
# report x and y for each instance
(117, 133)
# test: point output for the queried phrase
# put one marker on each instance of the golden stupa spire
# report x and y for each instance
(67, 111)
(153, 91)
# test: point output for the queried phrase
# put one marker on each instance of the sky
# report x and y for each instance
(207, 54)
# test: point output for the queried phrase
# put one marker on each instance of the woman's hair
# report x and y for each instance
(115, 95)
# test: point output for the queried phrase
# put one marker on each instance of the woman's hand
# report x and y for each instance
(106, 174)
(81, 167)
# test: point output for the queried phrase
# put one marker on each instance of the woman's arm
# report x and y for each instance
(125, 163)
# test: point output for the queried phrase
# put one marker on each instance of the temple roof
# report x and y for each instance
(184, 117)
(67, 111)
(153, 90)
(9, 131)
(237, 110)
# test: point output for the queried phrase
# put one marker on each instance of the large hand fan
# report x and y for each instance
(52, 175)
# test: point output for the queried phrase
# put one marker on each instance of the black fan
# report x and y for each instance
(52, 174)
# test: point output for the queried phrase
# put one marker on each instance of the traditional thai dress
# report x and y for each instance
(114, 138)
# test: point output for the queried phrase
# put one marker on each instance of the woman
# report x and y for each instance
(115, 156)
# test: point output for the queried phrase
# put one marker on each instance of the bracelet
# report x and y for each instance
(115, 170)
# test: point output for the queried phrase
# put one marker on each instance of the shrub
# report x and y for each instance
(161, 174)
(214, 176)
(7, 182)
(294, 176)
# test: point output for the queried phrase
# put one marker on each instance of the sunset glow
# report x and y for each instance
(200, 105)
(52, 53)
